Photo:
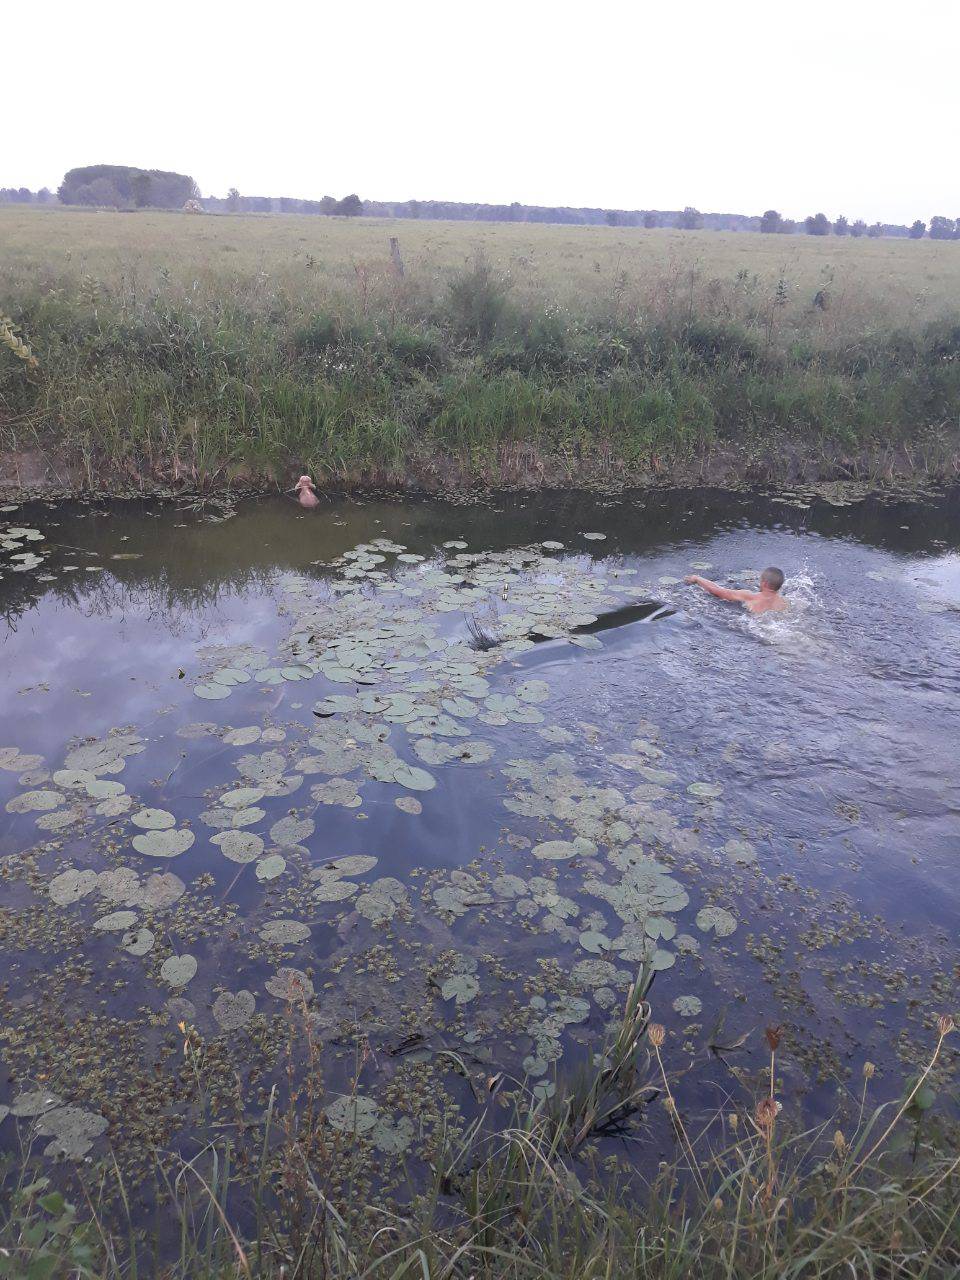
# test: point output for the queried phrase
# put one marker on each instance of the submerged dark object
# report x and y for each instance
(644, 611)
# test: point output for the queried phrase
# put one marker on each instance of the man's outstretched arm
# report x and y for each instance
(722, 593)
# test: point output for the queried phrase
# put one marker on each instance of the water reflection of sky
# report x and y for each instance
(831, 730)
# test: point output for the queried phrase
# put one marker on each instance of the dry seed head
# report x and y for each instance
(945, 1025)
(839, 1142)
(774, 1035)
(766, 1114)
(669, 1104)
(734, 1121)
(10, 339)
(718, 1204)
(657, 1033)
(869, 1070)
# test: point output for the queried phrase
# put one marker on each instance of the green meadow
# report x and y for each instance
(199, 349)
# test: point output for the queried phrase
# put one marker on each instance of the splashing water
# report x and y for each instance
(795, 628)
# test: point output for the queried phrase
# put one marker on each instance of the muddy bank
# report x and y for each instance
(934, 458)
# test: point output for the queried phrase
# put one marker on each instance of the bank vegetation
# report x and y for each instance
(188, 358)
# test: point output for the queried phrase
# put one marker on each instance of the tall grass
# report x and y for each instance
(461, 372)
(527, 1193)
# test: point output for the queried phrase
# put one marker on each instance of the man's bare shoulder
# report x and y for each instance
(761, 603)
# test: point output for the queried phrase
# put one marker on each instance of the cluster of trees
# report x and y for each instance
(944, 228)
(120, 186)
(350, 206)
(818, 224)
(110, 186)
(23, 195)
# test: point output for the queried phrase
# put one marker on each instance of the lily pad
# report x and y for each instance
(35, 802)
(232, 1010)
(238, 846)
(272, 866)
(688, 1006)
(161, 891)
(594, 941)
(154, 819)
(390, 1138)
(34, 1103)
(290, 984)
(242, 797)
(533, 691)
(120, 885)
(71, 778)
(382, 900)
(104, 789)
(718, 919)
(72, 885)
(164, 844)
(414, 778)
(15, 761)
(114, 806)
(335, 890)
(462, 987)
(705, 790)
(230, 676)
(211, 690)
(352, 1115)
(562, 850)
(741, 852)
(139, 943)
(72, 1129)
(285, 932)
(115, 921)
(246, 817)
(178, 970)
(353, 864)
(242, 737)
(291, 831)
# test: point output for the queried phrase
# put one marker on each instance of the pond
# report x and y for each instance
(406, 794)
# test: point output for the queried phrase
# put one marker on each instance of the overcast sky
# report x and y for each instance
(732, 106)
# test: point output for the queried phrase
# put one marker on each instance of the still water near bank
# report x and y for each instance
(763, 809)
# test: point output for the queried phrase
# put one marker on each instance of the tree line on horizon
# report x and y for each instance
(818, 224)
(129, 188)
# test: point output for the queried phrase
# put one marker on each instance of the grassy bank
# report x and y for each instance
(191, 350)
(534, 1190)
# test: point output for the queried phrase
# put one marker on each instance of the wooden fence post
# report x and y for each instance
(395, 255)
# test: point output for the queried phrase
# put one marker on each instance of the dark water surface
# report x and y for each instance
(827, 833)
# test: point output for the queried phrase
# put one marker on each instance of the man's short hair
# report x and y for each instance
(772, 578)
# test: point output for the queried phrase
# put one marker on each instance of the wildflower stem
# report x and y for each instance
(692, 1159)
(901, 1111)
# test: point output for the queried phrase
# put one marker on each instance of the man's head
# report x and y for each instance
(771, 579)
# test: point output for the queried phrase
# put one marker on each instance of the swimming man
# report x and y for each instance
(766, 600)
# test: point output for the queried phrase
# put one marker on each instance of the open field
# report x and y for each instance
(176, 346)
(887, 281)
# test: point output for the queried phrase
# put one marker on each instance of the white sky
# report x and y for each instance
(730, 105)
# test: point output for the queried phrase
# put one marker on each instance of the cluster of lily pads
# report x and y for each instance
(19, 549)
(386, 626)
(72, 1130)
